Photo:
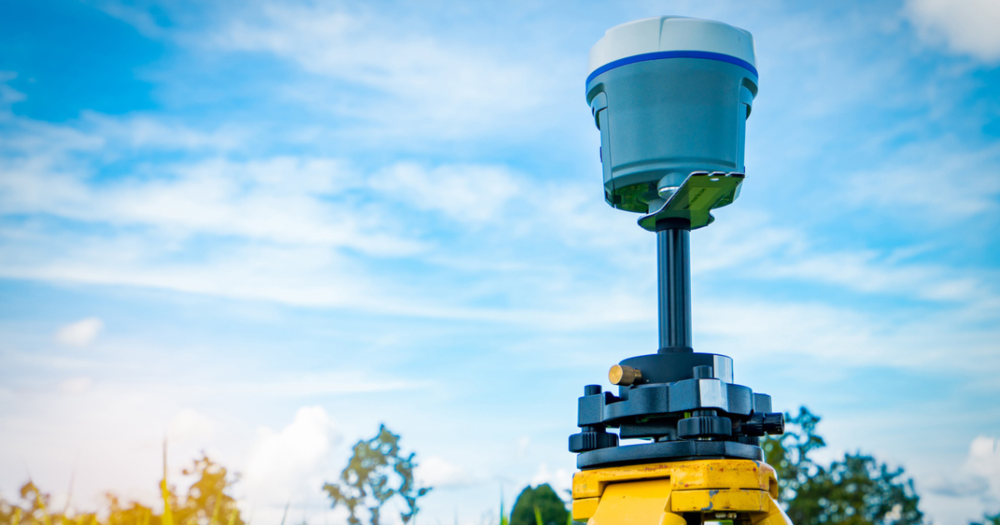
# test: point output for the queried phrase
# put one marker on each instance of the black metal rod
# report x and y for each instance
(673, 263)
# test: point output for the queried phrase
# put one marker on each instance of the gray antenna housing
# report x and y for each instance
(670, 96)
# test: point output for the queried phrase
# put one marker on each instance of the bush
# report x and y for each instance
(541, 500)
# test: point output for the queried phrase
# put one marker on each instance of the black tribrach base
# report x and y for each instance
(667, 451)
(684, 402)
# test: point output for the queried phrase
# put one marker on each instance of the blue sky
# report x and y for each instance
(260, 229)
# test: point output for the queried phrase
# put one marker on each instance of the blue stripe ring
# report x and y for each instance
(672, 54)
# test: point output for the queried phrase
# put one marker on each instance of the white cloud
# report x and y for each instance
(523, 443)
(286, 228)
(50, 169)
(427, 85)
(273, 200)
(561, 480)
(146, 132)
(289, 229)
(297, 230)
(979, 476)
(269, 228)
(75, 386)
(764, 251)
(965, 26)
(984, 461)
(191, 426)
(141, 19)
(867, 272)
(464, 193)
(305, 384)
(291, 465)
(8, 95)
(844, 336)
(437, 472)
(80, 333)
(941, 181)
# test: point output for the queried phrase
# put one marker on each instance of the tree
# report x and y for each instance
(789, 454)
(375, 474)
(539, 504)
(207, 502)
(857, 490)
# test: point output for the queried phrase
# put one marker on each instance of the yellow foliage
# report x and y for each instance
(205, 503)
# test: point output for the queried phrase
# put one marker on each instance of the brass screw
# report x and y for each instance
(624, 375)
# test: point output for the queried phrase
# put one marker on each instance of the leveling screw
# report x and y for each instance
(624, 375)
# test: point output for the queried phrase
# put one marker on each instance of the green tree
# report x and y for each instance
(789, 453)
(541, 500)
(857, 490)
(376, 473)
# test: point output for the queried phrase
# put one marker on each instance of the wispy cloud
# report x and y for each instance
(966, 26)
(80, 333)
(844, 337)
(191, 426)
(288, 228)
(978, 477)
(463, 193)
(560, 480)
(416, 84)
(278, 199)
(943, 181)
(437, 472)
(760, 249)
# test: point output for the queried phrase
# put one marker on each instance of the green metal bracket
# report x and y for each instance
(698, 195)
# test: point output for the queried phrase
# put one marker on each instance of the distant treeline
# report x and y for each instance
(377, 473)
(855, 490)
(207, 502)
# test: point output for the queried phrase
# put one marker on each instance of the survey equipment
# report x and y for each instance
(671, 97)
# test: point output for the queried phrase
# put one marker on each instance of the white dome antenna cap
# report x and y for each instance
(672, 33)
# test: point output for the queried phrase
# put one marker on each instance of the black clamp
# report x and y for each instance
(593, 437)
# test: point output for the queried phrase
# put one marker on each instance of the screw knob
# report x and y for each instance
(765, 423)
(624, 375)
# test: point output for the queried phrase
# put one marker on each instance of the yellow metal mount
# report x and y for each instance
(679, 493)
